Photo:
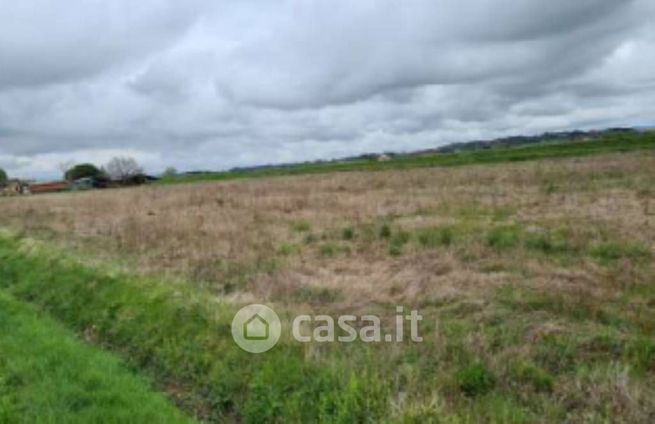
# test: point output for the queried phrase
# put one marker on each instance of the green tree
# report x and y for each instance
(3, 176)
(170, 172)
(84, 170)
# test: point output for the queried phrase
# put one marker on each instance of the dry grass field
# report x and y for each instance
(540, 271)
(416, 236)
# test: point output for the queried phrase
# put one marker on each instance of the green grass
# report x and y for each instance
(180, 337)
(301, 226)
(613, 251)
(476, 380)
(607, 144)
(435, 237)
(494, 361)
(397, 242)
(348, 233)
(47, 375)
(526, 372)
(549, 243)
(502, 238)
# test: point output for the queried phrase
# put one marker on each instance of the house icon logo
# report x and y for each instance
(256, 328)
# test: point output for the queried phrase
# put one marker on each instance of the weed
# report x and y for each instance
(548, 243)
(550, 187)
(435, 237)
(311, 238)
(612, 251)
(395, 250)
(385, 231)
(301, 226)
(538, 378)
(348, 233)
(501, 238)
(641, 354)
(288, 249)
(329, 250)
(398, 241)
(476, 380)
(556, 353)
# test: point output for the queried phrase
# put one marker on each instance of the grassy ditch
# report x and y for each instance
(182, 340)
(523, 355)
(47, 375)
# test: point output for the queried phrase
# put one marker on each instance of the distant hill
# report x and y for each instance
(468, 146)
(507, 149)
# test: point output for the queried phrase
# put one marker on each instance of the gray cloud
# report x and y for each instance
(43, 41)
(213, 85)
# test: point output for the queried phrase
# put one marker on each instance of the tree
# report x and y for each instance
(123, 168)
(170, 172)
(3, 176)
(65, 166)
(83, 170)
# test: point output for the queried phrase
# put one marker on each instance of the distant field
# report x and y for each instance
(607, 144)
(535, 277)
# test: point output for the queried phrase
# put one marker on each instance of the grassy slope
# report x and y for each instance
(183, 340)
(47, 375)
(501, 361)
(608, 144)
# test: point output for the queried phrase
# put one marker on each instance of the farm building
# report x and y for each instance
(86, 183)
(89, 183)
(52, 187)
(13, 188)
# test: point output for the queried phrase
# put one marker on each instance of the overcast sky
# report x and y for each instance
(214, 84)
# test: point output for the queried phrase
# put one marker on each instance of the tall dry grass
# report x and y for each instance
(316, 239)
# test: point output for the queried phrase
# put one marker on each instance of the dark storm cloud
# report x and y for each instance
(216, 84)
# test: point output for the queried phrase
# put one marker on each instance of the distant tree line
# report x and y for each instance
(120, 169)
